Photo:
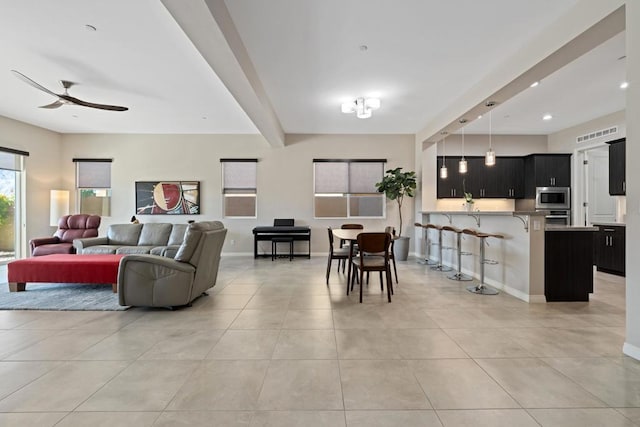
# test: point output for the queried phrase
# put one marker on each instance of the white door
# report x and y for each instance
(601, 207)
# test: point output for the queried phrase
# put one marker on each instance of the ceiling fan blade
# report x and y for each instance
(77, 101)
(28, 81)
(54, 104)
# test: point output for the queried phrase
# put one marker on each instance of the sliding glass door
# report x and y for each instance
(11, 196)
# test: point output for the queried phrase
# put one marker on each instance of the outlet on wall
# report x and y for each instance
(233, 242)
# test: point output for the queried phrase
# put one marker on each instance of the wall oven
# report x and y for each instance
(553, 198)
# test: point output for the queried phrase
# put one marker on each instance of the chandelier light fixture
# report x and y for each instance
(363, 107)
(490, 157)
(462, 164)
(443, 170)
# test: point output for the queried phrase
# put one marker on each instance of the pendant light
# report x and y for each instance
(490, 157)
(443, 170)
(462, 164)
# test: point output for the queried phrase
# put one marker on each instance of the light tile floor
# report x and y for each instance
(272, 345)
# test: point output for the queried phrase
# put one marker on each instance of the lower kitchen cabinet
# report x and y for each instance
(568, 265)
(610, 249)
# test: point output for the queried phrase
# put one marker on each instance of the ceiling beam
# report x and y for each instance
(210, 28)
(587, 25)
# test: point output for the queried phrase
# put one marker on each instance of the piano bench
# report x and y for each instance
(274, 246)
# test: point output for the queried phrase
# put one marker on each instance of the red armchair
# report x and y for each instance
(69, 227)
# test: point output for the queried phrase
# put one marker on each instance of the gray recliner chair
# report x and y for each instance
(156, 281)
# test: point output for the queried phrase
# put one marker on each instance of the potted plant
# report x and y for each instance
(397, 184)
(468, 198)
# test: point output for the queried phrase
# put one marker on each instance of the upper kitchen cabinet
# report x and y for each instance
(504, 180)
(617, 167)
(451, 186)
(546, 170)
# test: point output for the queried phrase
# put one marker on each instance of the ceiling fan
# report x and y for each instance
(65, 98)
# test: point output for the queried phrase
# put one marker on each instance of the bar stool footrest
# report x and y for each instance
(460, 277)
(482, 290)
(489, 261)
(441, 267)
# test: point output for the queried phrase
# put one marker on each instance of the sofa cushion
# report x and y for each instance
(154, 234)
(177, 234)
(191, 239)
(124, 234)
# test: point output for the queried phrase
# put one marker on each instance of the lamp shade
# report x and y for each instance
(490, 158)
(462, 166)
(59, 206)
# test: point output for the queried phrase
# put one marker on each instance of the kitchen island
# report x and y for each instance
(520, 255)
(520, 270)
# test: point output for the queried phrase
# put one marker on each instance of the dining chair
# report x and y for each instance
(373, 243)
(392, 231)
(341, 254)
(344, 242)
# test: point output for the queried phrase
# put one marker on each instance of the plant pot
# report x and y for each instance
(401, 248)
(469, 207)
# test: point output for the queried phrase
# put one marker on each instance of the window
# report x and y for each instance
(11, 195)
(93, 182)
(347, 188)
(239, 183)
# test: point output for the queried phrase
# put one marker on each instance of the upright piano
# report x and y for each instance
(266, 233)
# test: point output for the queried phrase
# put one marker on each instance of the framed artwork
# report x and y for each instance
(167, 197)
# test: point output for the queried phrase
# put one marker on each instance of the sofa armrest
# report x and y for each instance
(43, 241)
(34, 243)
(80, 244)
(153, 280)
(150, 262)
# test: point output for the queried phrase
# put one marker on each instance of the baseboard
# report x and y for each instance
(631, 350)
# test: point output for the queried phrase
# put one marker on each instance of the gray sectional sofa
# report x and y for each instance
(150, 238)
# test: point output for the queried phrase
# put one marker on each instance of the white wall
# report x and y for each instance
(285, 175)
(565, 142)
(632, 341)
(42, 171)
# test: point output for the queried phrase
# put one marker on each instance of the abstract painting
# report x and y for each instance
(167, 197)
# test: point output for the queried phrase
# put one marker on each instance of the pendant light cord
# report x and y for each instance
(490, 128)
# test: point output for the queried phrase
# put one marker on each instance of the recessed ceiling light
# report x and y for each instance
(90, 27)
(547, 117)
(480, 116)
(534, 84)
(624, 85)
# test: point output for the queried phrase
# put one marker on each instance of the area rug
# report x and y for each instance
(60, 296)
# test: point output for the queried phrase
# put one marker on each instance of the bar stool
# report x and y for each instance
(459, 275)
(426, 245)
(439, 266)
(481, 288)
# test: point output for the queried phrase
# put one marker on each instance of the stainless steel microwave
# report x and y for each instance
(553, 198)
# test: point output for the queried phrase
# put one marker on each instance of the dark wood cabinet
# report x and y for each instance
(503, 180)
(510, 177)
(610, 249)
(617, 167)
(546, 170)
(451, 186)
(568, 265)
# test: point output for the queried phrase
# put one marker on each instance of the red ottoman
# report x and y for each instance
(64, 268)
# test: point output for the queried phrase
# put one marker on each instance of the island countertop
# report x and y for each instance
(556, 227)
(489, 213)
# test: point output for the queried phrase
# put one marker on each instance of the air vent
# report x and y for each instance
(597, 134)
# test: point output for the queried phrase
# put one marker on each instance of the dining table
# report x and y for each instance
(350, 235)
